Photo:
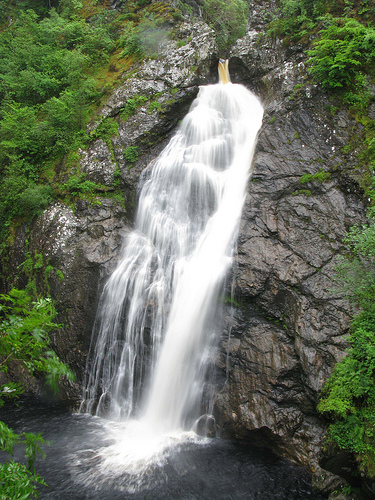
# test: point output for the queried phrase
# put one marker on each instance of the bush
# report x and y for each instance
(76, 185)
(227, 18)
(348, 398)
(349, 395)
(298, 18)
(24, 341)
(320, 176)
(17, 481)
(132, 104)
(344, 50)
(34, 199)
(131, 154)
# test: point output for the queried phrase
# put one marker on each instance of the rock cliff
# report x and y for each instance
(289, 325)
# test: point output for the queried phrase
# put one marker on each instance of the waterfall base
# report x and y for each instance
(132, 451)
(186, 466)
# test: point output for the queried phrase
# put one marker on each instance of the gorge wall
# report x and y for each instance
(289, 325)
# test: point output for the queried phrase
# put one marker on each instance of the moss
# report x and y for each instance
(154, 105)
(321, 176)
(131, 154)
(60, 275)
(305, 192)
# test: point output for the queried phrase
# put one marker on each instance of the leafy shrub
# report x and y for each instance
(76, 185)
(106, 129)
(131, 41)
(34, 199)
(69, 8)
(297, 18)
(348, 398)
(131, 154)
(320, 176)
(132, 104)
(17, 481)
(349, 395)
(341, 57)
(143, 39)
(154, 105)
(45, 96)
(344, 49)
(227, 18)
(20, 197)
(24, 327)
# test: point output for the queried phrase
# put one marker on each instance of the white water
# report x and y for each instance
(154, 325)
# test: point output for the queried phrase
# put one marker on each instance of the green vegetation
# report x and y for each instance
(320, 176)
(132, 104)
(227, 18)
(45, 95)
(131, 154)
(297, 19)
(76, 185)
(56, 60)
(24, 346)
(341, 58)
(154, 105)
(348, 397)
(305, 192)
(339, 40)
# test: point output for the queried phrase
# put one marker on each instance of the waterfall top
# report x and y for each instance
(223, 71)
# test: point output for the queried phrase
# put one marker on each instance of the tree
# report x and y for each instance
(228, 19)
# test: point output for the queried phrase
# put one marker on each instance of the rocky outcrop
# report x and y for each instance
(291, 325)
(80, 244)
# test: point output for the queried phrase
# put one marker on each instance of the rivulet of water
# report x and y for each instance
(154, 327)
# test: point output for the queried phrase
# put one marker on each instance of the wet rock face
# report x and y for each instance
(148, 107)
(80, 245)
(291, 325)
(79, 249)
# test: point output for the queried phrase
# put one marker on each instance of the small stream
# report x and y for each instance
(203, 469)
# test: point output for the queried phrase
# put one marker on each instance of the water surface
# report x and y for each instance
(197, 470)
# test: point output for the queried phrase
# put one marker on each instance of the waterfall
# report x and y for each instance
(153, 333)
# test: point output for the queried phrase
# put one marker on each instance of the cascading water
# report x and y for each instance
(154, 323)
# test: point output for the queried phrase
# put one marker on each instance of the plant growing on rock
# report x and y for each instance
(76, 186)
(24, 346)
(320, 176)
(348, 398)
(131, 154)
(227, 18)
(342, 54)
(132, 104)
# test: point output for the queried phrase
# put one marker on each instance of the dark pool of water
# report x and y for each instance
(216, 470)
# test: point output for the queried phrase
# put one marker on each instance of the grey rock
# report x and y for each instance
(97, 163)
(292, 324)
